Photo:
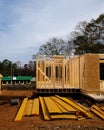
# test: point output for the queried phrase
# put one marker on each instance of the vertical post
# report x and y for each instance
(11, 74)
(37, 71)
(79, 73)
(63, 73)
(54, 72)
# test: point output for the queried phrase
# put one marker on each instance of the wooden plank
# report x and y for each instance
(28, 108)
(62, 109)
(44, 74)
(35, 107)
(97, 113)
(50, 103)
(66, 106)
(76, 106)
(44, 109)
(21, 110)
(98, 109)
(63, 116)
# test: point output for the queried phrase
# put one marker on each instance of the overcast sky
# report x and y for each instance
(27, 24)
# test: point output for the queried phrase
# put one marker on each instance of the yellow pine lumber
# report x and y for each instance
(63, 116)
(102, 108)
(64, 105)
(62, 109)
(44, 109)
(97, 113)
(26, 109)
(21, 110)
(29, 109)
(51, 105)
(76, 106)
(98, 109)
(35, 108)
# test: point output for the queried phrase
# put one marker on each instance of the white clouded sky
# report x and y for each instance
(27, 24)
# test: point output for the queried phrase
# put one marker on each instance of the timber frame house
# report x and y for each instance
(65, 73)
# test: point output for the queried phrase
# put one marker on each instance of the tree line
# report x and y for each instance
(8, 68)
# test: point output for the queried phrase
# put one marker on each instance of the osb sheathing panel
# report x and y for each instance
(91, 72)
(81, 71)
(74, 72)
(84, 72)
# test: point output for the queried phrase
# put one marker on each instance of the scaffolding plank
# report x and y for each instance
(97, 113)
(64, 105)
(62, 109)
(21, 110)
(98, 109)
(44, 109)
(35, 108)
(63, 116)
(76, 106)
(28, 108)
(50, 103)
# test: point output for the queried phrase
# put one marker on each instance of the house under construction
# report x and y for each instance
(62, 74)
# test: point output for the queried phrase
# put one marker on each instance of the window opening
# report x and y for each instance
(101, 66)
(48, 71)
(58, 72)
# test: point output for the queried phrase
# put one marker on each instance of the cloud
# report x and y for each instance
(27, 24)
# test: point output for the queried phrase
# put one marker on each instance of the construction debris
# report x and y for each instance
(53, 107)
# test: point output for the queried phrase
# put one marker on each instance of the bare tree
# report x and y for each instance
(54, 46)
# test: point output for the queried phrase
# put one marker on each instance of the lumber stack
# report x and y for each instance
(53, 107)
(99, 111)
(28, 108)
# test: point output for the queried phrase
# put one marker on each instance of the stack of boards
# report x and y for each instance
(52, 107)
(99, 111)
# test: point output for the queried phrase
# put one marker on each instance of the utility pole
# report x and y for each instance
(11, 73)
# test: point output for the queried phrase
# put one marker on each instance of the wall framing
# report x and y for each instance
(62, 72)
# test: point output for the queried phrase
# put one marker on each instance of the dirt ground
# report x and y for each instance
(8, 113)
